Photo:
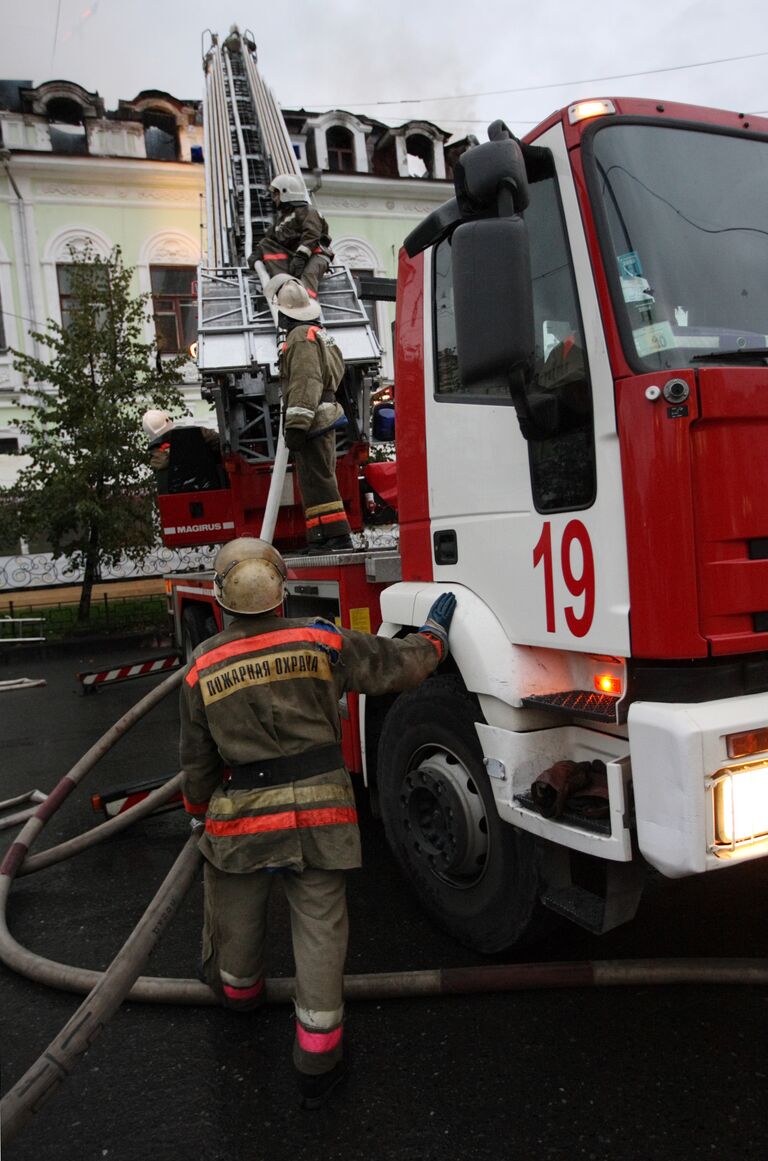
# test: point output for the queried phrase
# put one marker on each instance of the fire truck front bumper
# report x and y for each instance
(700, 781)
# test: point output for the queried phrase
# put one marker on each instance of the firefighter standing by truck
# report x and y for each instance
(260, 749)
(298, 242)
(311, 369)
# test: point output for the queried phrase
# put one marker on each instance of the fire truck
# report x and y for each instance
(581, 382)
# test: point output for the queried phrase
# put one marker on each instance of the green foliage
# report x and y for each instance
(88, 489)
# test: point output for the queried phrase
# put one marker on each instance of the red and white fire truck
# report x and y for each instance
(581, 383)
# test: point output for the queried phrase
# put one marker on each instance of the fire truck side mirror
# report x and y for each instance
(491, 179)
(493, 303)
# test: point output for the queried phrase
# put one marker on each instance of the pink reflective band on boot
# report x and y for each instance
(243, 993)
(317, 1041)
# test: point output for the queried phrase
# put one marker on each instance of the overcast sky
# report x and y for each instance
(366, 56)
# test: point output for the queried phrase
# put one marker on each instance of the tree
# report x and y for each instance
(88, 487)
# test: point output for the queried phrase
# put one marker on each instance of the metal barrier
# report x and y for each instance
(20, 629)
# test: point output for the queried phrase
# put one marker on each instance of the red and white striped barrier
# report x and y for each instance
(94, 679)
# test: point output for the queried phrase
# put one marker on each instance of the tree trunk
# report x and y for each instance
(89, 574)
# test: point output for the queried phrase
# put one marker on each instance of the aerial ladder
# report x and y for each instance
(246, 144)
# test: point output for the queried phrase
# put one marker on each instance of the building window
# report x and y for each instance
(421, 155)
(66, 128)
(9, 445)
(175, 307)
(341, 150)
(161, 140)
(67, 293)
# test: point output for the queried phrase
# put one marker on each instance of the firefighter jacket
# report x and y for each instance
(267, 689)
(160, 448)
(300, 230)
(311, 369)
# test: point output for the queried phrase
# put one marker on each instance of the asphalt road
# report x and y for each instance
(631, 1074)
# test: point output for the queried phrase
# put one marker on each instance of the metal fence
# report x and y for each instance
(37, 569)
(109, 615)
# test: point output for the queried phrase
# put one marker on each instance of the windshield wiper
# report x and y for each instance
(743, 355)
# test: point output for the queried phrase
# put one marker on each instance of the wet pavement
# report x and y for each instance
(628, 1073)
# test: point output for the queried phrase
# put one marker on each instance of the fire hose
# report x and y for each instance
(121, 981)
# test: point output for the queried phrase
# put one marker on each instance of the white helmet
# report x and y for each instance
(291, 189)
(291, 297)
(249, 576)
(156, 422)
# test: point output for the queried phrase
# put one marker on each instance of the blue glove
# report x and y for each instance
(439, 619)
(442, 611)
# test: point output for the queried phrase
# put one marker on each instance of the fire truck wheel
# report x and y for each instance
(197, 625)
(476, 875)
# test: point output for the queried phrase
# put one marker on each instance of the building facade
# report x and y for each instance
(74, 174)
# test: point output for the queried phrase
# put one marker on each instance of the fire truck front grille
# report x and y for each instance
(600, 707)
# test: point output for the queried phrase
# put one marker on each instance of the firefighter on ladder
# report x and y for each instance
(311, 369)
(298, 242)
(260, 750)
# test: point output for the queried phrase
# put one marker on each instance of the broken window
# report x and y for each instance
(341, 150)
(66, 127)
(161, 140)
(175, 307)
(421, 155)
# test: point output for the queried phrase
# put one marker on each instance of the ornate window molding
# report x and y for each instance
(58, 251)
(433, 135)
(167, 248)
(359, 254)
(359, 130)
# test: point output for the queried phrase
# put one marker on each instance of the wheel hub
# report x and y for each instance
(444, 817)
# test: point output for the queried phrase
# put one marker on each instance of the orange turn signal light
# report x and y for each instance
(608, 683)
(749, 742)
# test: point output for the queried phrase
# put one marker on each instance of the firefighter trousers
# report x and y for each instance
(323, 507)
(316, 267)
(234, 944)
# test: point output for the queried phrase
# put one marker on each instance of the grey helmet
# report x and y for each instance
(249, 576)
(291, 189)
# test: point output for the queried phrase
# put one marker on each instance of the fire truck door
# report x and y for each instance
(538, 523)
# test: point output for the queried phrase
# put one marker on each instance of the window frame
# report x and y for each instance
(176, 301)
(466, 397)
(335, 149)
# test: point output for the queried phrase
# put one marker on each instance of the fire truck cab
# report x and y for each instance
(582, 375)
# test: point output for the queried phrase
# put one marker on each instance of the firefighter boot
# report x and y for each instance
(333, 544)
(314, 1091)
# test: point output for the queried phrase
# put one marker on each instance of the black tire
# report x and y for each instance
(197, 625)
(476, 875)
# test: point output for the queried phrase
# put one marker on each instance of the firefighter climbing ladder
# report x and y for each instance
(246, 143)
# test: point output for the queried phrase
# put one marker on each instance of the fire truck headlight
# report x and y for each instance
(741, 806)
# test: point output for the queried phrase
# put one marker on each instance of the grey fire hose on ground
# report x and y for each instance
(121, 981)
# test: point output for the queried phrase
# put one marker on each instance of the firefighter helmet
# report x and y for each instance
(291, 189)
(249, 576)
(291, 298)
(156, 422)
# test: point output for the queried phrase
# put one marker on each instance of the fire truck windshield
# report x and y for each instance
(684, 217)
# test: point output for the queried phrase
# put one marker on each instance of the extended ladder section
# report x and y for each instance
(246, 144)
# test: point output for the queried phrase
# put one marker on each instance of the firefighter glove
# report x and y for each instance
(296, 265)
(439, 618)
(295, 438)
(442, 611)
